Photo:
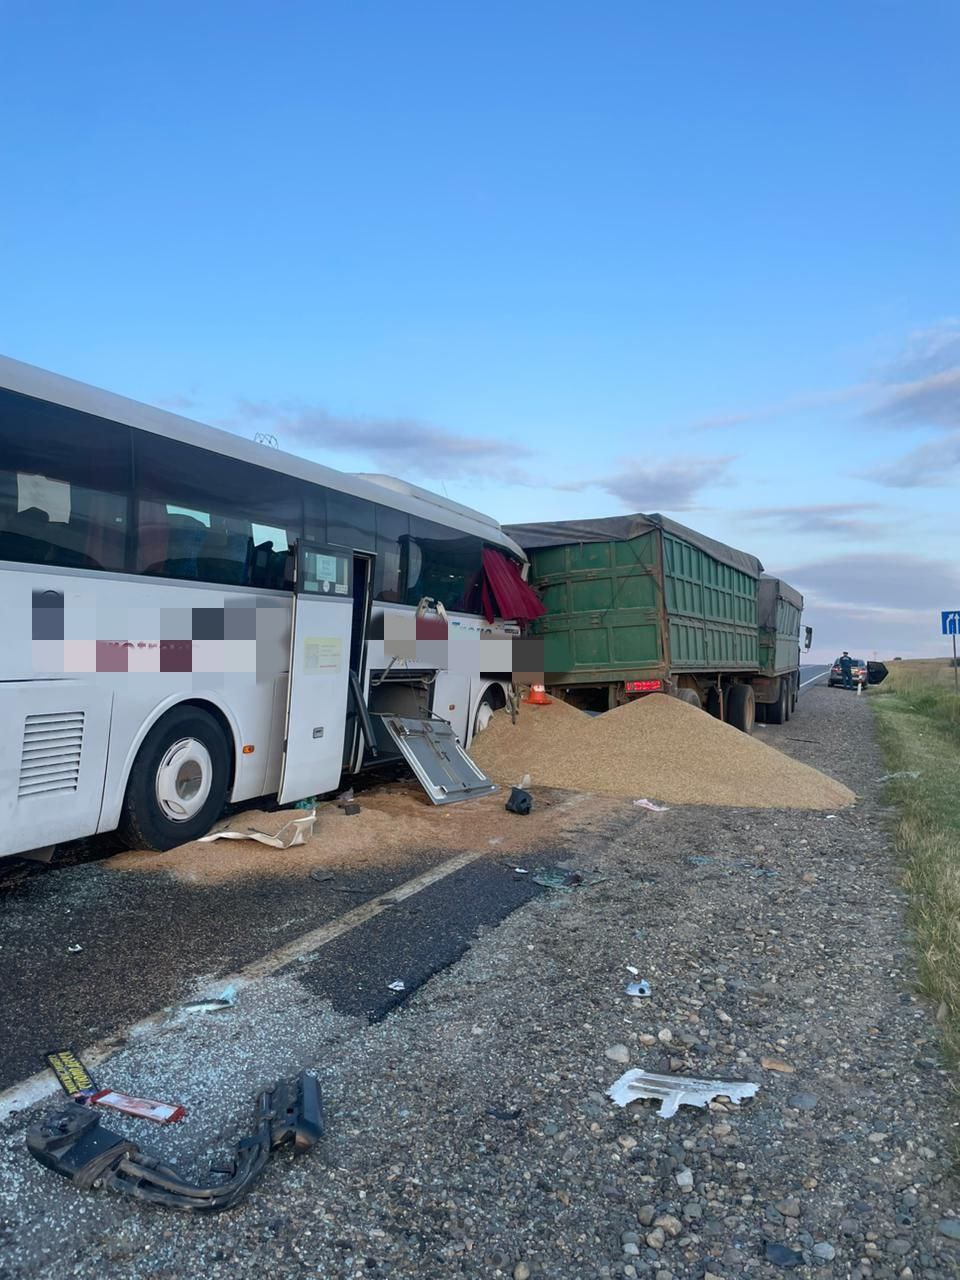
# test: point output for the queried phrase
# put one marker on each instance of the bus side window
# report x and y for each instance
(393, 531)
(64, 484)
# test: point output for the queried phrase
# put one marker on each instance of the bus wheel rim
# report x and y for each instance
(184, 779)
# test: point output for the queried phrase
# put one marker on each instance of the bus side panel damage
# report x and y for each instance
(72, 1142)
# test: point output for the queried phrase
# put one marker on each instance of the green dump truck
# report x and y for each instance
(640, 604)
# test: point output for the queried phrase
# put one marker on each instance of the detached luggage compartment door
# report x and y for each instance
(876, 673)
(433, 752)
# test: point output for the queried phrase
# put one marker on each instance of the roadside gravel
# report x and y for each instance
(470, 1135)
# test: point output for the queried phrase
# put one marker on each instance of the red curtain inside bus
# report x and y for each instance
(503, 592)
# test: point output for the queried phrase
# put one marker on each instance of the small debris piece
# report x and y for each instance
(521, 871)
(142, 1108)
(676, 1091)
(617, 1053)
(74, 947)
(226, 998)
(558, 879)
(296, 831)
(781, 1255)
(648, 804)
(397, 985)
(320, 875)
(901, 773)
(949, 1227)
(638, 989)
(75, 1080)
(777, 1064)
(632, 968)
(519, 801)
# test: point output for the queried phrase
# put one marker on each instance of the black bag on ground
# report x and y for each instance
(520, 801)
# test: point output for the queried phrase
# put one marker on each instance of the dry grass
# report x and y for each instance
(919, 731)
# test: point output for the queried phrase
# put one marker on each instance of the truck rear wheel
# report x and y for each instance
(779, 712)
(741, 706)
(691, 696)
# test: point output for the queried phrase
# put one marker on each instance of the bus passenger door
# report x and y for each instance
(319, 666)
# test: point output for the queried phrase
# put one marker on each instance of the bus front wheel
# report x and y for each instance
(178, 783)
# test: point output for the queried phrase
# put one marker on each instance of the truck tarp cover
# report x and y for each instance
(562, 533)
(772, 590)
(503, 592)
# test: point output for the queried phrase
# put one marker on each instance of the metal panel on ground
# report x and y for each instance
(433, 752)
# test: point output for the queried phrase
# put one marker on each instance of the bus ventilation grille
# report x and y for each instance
(51, 753)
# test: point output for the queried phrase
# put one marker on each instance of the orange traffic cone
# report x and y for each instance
(537, 697)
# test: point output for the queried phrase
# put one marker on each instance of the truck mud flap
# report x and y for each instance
(443, 768)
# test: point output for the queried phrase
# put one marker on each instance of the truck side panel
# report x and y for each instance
(609, 618)
(780, 612)
(602, 620)
(712, 611)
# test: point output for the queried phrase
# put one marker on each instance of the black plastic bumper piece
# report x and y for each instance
(73, 1143)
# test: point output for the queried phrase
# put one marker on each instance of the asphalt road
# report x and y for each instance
(469, 1134)
(88, 952)
(813, 674)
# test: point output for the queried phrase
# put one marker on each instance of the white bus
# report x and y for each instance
(193, 619)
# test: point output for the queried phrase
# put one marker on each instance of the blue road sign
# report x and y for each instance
(950, 622)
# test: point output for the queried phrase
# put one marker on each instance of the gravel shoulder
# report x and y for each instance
(469, 1133)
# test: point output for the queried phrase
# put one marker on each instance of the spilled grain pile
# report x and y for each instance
(657, 747)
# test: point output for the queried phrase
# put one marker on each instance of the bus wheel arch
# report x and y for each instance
(180, 778)
(492, 699)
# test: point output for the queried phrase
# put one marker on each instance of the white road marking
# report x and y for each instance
(814, 679)
(27, 1093)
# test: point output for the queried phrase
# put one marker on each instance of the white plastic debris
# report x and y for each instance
(397, 985)
(632, 968)
(638, 989)
(226, 998)
(901, 773)
(676, 1091)
(74, 947)
(297, 831)
(648, 804)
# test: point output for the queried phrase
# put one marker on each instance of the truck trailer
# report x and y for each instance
(640, 604)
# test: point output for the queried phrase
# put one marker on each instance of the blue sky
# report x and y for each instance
(556, 260)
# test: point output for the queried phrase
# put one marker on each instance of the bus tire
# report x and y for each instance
(492, 701)
(741, 706)
(178, 784)
(779, 712)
